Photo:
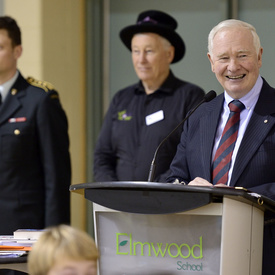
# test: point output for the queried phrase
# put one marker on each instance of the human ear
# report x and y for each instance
(211, 62)
(17, 51)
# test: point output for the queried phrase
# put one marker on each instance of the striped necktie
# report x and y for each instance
(226, 146)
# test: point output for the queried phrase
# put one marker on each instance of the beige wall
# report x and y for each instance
(53, 35)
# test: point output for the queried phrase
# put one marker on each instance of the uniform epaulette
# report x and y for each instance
(46, 86)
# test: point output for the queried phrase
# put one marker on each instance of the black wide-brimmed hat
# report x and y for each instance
(157, 22)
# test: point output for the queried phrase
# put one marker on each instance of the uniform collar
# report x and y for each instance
(5, 88)
(166, 87)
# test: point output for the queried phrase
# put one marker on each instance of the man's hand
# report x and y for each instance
(200, 181)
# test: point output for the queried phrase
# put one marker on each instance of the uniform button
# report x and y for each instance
(13, 91)
(17, 132)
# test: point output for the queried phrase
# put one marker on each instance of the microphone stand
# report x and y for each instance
(208, 97)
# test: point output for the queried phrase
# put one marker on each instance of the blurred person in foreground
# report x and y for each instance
(63, 250)
(235, 54)
(35, 170)
(142, 115)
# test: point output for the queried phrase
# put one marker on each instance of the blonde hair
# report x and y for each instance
(60, 242)
(230, 24)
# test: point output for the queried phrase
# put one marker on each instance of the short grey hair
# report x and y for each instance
(165, 42)
(230, 24)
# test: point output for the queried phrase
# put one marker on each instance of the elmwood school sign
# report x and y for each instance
(174, 250)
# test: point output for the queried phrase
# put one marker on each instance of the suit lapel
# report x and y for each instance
(259, 126)
(208, 124)
(12, 102)
(9, 107)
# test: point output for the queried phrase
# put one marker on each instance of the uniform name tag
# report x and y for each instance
(17, 119)
(155, 117)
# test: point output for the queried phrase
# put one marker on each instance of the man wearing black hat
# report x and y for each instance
(142, 115)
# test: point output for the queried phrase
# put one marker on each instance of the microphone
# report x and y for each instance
(208, 97)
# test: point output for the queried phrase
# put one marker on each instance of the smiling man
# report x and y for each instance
(235, 59)
(215, 151)
(142, 115)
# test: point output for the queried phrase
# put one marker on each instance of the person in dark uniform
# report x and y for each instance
(142, 115)
(35, 169)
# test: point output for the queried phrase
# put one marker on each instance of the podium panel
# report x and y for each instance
(200, 241)
(242, 238)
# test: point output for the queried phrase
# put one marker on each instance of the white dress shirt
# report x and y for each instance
(249, 101)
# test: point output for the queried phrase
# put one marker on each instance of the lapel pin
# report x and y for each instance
(265, 121)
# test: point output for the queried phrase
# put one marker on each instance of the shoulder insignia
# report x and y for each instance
(46, 86)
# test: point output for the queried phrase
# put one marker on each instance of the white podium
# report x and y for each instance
(159, 228)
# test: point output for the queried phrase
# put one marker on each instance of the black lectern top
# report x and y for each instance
(163, 198)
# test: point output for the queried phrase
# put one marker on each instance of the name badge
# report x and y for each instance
(155, 117)
(17, 119)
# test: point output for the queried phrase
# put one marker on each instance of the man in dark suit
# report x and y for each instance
(235, 54)
(35, 170)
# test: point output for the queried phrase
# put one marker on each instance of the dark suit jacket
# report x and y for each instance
(254, 167)
(35, 170)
